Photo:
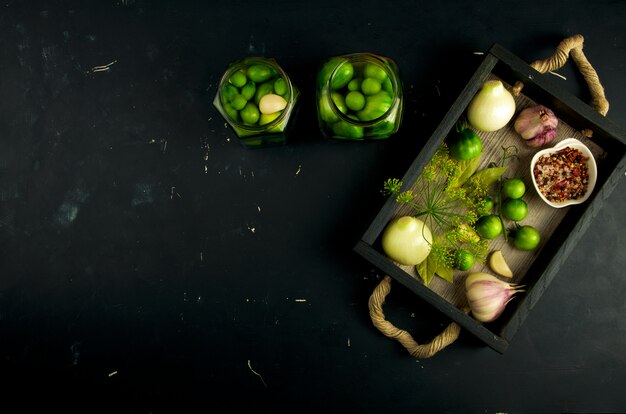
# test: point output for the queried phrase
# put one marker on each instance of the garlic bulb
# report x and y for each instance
(537, 125)
(488, 295)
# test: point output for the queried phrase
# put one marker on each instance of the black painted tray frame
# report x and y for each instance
(612, 138)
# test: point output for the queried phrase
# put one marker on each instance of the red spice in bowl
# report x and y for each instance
(565, 174)
(562, 175)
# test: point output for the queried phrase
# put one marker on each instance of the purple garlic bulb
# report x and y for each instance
(537, 125)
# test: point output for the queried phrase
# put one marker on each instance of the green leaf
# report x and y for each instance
(466, 169)
(444, 271)
(484, 178)
(431, 266)
(426, 270)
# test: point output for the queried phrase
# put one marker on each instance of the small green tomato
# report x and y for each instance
(370, 86)
(372, 70)
(355, 100)
(259, 73)
(526, 238)
(250, 114)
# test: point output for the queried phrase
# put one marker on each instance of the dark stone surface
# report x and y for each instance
(150, 263)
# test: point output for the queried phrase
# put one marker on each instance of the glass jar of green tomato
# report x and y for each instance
(359, 97)
(257, 99)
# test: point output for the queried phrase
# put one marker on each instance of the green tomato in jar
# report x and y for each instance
(280, 87)
(339, 102)
(526, 238)
(238, 78)
(259, 73)
(323, 77)
(372, 70)
(342, 76)
(228, 92)
(345, 130)
(355, 100)
(375, 106)
(355, 84)
(465, 145)
(325, 111)
(250, 114)
(248, 90)
(262, 90)
(370, 86)
(238, 102)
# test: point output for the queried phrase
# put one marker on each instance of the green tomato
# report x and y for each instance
(463, 259)
(513, 188)
(355, 100)
(238, 102)
(280, 87)
(228, 92)
(339, 101)
(248, 90)
(265, 119)
(372, 70)
(238, 78)
(526, 238)
(489, 226)
(515, 209)
(382, 129)
(387, 85)
(259, 73)
(250, 114)
(325, 111)
(327, 69)
(375, 106)
(342, 76)
(465, 145)
(345, 130)
(231, 112)
(370, 86)
(488, 204)
(262, 90)
(355, 84)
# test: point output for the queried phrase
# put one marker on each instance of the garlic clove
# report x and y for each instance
(272, 103)
(537, 125)
(499, 265)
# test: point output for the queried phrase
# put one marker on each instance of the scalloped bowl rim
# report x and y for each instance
(591, 164)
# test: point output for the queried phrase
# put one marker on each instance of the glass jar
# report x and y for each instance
(359, 97)
(257, 99)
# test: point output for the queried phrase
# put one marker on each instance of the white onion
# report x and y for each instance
(407, 240)
(491, 108)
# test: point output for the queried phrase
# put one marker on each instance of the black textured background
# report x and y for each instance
(146, 258)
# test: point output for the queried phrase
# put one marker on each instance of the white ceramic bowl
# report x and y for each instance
(591, 165)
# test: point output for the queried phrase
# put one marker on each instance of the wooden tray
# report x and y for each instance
(560, 228)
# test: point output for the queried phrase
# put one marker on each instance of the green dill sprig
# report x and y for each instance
(448, 207)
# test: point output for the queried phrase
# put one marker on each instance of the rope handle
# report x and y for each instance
(375, 304)
(571, 46)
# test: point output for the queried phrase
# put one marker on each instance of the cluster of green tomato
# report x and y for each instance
(362, 91)
(513, 208)
(242, 94)
(465, 145)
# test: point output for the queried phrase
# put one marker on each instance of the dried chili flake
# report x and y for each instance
(562, 175)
